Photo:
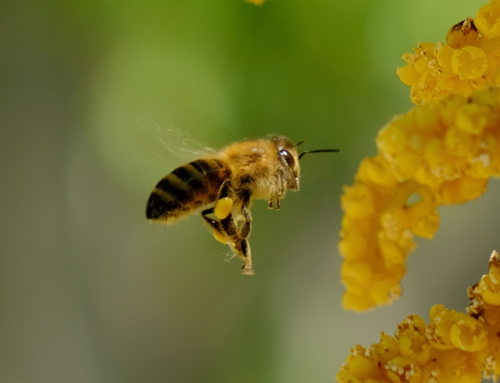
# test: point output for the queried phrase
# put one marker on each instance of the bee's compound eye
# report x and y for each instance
(288, 157)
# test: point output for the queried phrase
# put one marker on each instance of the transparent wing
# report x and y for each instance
(177, 146)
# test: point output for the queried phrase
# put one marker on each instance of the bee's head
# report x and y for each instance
(289, 161)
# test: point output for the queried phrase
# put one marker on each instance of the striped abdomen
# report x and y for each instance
(186, 188)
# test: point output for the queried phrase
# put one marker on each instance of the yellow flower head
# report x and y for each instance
(488, 20)
(453, 348)
(462, 34)
(437, 154)
(468, 61)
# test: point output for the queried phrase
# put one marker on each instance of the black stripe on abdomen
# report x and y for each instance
(214, 170)
(185, 184)
(175, 188)
(186, 188)
(193, 179)
(161, 205)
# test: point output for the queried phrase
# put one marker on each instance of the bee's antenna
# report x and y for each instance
(319, 151)
(300, 143)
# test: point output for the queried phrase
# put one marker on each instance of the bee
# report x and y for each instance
(225, 183)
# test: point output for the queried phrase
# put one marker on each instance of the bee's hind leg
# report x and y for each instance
(242, 248)
(216, 226)
(247, 218)
(226, 232)
(225, 200)
(274, 203)
(240, 245)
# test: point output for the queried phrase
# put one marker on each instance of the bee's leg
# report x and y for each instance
(225, 189)
(243, 247)
(225, 200)
(226, 232)
(245, 211)
(278, 203)
(240, 246)
(274, 203)
(277, 198)
(215, 225)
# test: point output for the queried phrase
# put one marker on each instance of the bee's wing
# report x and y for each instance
(177, 146)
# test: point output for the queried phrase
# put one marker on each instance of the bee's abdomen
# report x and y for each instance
(186, 188)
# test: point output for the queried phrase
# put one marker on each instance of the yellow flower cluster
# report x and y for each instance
(470, 59)
(454, 348)
(438, 153)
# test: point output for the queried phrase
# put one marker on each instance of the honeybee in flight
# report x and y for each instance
(225, 183)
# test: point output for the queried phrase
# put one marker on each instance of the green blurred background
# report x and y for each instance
(90, 292)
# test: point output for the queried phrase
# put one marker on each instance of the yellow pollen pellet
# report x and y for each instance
(223, 207)
(220, 237)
